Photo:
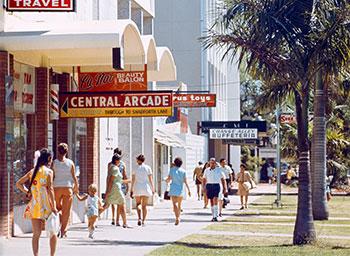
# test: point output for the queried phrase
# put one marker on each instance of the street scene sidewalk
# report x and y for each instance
(111, 240)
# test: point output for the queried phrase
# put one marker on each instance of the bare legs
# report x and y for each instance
(91, 225)
(141, 207)
(113, 215)
(199, 191)
(214, 208)
(244, 202)
(120, 209)
(37, 228)
(177, 200)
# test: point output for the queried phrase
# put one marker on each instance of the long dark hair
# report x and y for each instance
(44, 158)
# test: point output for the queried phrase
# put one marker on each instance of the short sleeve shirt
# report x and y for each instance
(227, 171)
(213, 176)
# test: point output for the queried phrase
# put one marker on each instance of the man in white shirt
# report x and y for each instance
(229, 176)
(212, 178)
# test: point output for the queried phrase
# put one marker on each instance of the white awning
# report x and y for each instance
(169, 139)
(87, 44)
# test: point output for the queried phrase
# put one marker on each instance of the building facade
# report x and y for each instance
(41, 53)
(180, 24)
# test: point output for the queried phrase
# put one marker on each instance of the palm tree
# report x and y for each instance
(280, 46)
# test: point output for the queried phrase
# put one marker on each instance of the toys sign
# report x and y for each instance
(40, 5)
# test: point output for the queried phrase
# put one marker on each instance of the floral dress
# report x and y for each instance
(39, 206)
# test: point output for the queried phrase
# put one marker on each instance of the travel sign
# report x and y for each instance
(116, 104)
(40, 5)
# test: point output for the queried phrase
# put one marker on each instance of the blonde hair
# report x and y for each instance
(92, 188)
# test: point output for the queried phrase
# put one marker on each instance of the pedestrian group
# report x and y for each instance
(53, 183)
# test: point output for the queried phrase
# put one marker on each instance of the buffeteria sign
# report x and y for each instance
(194, 100)
(233, 134)
(116, 104)
(112, 81)
(40, 5)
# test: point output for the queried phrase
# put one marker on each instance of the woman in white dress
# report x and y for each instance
(142, 188)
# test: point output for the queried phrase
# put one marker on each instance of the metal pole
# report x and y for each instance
(278, 149)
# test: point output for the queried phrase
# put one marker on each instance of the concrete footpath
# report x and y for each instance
(111, 240)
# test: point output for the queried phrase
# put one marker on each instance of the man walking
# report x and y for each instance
(197, 177)
(212, 178)
(229, 177)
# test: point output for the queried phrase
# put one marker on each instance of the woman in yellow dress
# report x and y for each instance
(41, 195)
(244, 178)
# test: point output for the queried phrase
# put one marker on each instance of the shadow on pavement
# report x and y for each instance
(209, 246)
(115, 243)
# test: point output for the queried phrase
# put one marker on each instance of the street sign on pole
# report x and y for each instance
(116, 104)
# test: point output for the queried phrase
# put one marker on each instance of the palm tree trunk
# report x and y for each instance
(319, 200)
(304, 230)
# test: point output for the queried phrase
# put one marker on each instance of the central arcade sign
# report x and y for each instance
(40, 5)
(116, 104)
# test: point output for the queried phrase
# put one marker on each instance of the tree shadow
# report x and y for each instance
(225, 247)
(104, 242)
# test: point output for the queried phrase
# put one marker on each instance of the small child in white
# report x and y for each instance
(94, 205)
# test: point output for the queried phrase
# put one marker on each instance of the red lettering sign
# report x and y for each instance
(288, 119)
(40, 5)
(194, 100)
(113, 81)
(116, 104)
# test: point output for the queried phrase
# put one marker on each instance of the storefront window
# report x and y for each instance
(77, 143)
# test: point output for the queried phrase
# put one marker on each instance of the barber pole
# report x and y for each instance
(54, 108)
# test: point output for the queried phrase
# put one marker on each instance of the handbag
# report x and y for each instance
(166, 195)
(52, 224)
(247, 186)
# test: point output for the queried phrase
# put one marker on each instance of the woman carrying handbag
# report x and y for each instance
(42, 203)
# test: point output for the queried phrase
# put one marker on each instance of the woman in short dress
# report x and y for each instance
(142, 188)
(177, 177)
(42, 202)
(114, 193)
(242, 177)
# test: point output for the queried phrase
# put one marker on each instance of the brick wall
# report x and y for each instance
(42, 107)
(90, 173)
(5, 229)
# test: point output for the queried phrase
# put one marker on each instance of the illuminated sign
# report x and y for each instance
(116, 104)
(194, 100)
(40, 5)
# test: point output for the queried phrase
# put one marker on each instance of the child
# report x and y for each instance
(93, 207)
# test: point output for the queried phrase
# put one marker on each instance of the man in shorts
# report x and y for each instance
(212, 178)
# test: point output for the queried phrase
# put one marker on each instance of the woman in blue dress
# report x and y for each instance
(177, 177)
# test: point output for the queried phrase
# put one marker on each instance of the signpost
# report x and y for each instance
(116, 104)
(194, 100)
(40, 5)
(113, 81)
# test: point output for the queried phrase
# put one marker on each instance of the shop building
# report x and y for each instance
(179, 24)
(41, 54)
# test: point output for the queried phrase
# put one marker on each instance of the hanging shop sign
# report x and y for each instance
(239, 133)
(205, 126)
(194, 100)
(24, 88)
(239, 142)
(116, 104)
(40, 5)
(288, 119)
(113, 81)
